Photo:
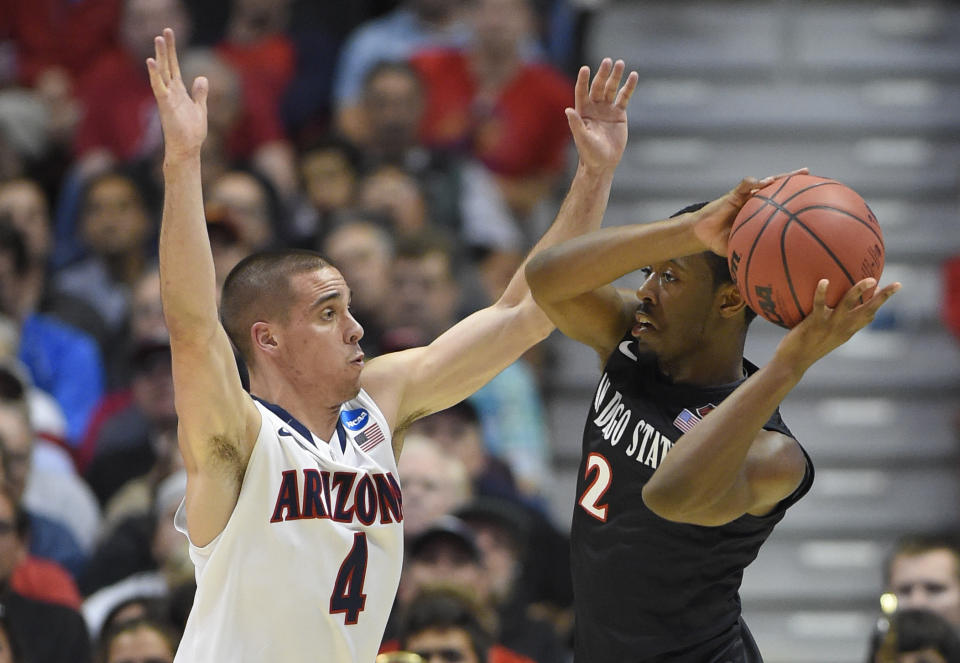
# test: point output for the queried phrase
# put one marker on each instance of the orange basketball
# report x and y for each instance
(793, 233)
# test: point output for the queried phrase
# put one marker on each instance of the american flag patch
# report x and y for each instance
(370, 437)
(686, 420)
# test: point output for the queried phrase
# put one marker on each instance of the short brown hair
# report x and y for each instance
(921, 544)
(259, 288)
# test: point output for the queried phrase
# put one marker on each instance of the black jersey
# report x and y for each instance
(648, 589)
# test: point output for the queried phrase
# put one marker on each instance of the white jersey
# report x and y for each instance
(308, 564)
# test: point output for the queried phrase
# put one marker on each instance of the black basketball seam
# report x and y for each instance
(777, 207)
(856, 218)
(786, 268)
(828, 250)
(758, 210)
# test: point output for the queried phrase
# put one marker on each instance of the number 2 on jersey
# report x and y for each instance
(590, 500)
(348, 596)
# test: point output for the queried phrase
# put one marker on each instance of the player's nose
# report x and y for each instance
(354, 331)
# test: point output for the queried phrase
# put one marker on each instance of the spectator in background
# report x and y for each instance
(143, 556)
(923, 572)
(53, 489)
(116, 228)
(51, 36)
(25, 204)
(47, 632)
(243, 127)
(32, 577)
(513, 566)
(434, 484)
(397, 195)
(362, 249)
(133, 440)
(446, 555)
(119, 121)
(140, 640)
(414, 25)
(916, 636)
(488, 102)
(457, 432)
(250, 203)
(330, 175)
(62, 361)
(49, 539)
(425, 301)
(460, 194)
(446, 625)
(257, 45)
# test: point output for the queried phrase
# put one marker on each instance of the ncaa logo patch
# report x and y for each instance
(355, 419)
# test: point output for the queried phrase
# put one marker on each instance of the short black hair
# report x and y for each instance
(718, 265)
(445, 608)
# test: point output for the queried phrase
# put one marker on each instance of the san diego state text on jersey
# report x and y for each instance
(339, 496)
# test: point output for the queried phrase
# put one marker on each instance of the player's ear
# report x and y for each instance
(263, 337)
(731, 302)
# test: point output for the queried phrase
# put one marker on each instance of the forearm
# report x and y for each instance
(596, 259)
(581, 212)
(186, 262)
(705, 463)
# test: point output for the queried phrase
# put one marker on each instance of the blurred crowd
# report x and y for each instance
(418, 144)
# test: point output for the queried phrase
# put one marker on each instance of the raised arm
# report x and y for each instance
(414, 383)
(727, 466)
(218, 422)
(572, 281)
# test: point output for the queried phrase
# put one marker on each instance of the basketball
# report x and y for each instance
(793, 233)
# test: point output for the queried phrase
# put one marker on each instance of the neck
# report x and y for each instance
(298, 401)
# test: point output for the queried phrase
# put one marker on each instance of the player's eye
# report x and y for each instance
(646, 271)
(668, 276)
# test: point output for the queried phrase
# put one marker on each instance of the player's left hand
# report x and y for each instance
(598, 119)
(714, 220)
(826, 328)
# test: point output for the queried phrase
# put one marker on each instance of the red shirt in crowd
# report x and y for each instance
(58, 33)
(523, 132)
(120, 113)
(43, 580)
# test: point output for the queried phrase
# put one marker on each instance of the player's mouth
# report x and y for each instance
(358, 360)
(643, 324)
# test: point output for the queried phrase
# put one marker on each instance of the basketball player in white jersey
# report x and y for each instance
(293, 506)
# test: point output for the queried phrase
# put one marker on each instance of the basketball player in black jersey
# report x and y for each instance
(687, 465)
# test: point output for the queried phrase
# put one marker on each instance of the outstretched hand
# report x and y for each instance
(826, 328)
(598, 119)
(715, 219)
(183, 116)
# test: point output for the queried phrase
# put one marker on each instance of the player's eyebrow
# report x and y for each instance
(323, 299)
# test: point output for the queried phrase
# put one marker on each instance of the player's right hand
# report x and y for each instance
(598, 120)
(826, 328)
(184, 119)
(714, 220)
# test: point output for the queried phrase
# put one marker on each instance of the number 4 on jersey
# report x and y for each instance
(348, 596)
(590, 500)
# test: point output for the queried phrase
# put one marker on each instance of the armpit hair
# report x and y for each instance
(224, 451)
